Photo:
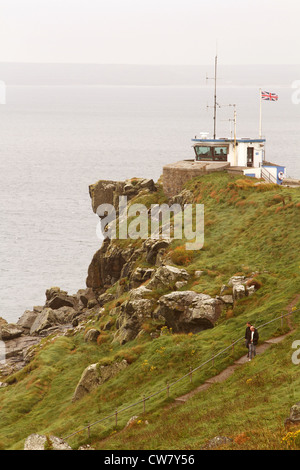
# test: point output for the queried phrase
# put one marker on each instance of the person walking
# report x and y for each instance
(254, 336)
(247, 336)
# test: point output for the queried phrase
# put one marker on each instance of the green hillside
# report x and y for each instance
(250, 230)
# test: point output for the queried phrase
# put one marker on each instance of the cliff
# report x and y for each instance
(150, 311)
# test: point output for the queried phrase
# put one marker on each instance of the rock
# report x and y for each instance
(92, 304)
(86, 447)
(2, 322)
(166, 276)
(238, 291)
(27, 319)
(155, 250)
(10, 331)
(139, 276)
(105, 298)
(57, 298)
(294, 417)
(184, 197)
(180, 284)
(198, 273)
(51, 320)
(132, 315)
(236, 280)
(139, 293)
(132, 420)
(106, 266)
(95, 375)
(3, 384)
(84, 296)
(91, 335)
(226, 299)
(188, 311)
(44, 320)
(108, 192)
(40, 442)
(217, 441)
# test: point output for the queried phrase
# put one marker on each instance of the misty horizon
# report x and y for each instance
(22, 73)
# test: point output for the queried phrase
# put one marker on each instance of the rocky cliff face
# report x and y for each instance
(143, 286)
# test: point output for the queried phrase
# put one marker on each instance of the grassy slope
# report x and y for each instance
(247, 229)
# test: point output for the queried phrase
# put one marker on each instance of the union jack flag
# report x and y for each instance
(267, 96)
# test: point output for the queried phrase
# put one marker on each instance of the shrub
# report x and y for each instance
(181, 256)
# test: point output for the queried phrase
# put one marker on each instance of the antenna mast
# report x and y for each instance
(215, 96)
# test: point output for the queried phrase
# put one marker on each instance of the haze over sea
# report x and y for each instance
(64, 127)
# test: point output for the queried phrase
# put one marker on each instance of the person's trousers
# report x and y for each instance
(252, 350)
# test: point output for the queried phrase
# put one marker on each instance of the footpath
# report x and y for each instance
(226, 373)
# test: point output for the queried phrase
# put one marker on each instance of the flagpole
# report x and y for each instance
(260, 115)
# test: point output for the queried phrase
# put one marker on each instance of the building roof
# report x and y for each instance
(225, 140)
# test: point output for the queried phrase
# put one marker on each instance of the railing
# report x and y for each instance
(169, 385)
(267, 176)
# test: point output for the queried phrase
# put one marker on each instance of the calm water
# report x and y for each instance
(56, 141)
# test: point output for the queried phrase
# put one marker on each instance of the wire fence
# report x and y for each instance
(189, 375)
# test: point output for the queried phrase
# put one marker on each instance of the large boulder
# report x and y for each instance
(187, 311)
(139, 276)
(155, 249)
(10, 331)
(106, 266)
(49, 318)
(57, 298)
(131, 316)
(95, 375)
(108, 192)
(27, 319)
(40, 442)
(166, 277)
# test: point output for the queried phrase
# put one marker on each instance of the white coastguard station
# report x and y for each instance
(243, 155)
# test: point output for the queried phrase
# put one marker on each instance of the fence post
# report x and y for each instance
(144, 403)
(168, 389)
(89, 431)
(116, 416)
(191, 375)
(281, 320)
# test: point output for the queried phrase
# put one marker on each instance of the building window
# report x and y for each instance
(220, 153)
(216, 153)
(204, 152)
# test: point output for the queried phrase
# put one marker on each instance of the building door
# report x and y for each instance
(250, 156)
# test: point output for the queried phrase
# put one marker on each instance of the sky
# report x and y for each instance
(150, 32)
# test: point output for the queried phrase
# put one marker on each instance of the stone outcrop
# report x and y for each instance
(187, 311)
(131, 315)
(108, 192)
(40, 442)
(95, 375)
(294, 417)
(10, 331)
(166, 277)
(91, 335)
(111, 263)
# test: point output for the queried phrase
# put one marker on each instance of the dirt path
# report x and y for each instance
(244, 359)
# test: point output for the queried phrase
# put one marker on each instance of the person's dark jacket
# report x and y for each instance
(248, 334)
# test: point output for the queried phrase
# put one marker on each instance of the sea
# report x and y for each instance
(57, 139)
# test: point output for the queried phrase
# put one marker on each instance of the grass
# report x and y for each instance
(249, 230)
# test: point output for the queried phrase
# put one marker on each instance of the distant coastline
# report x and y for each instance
(145, 75)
